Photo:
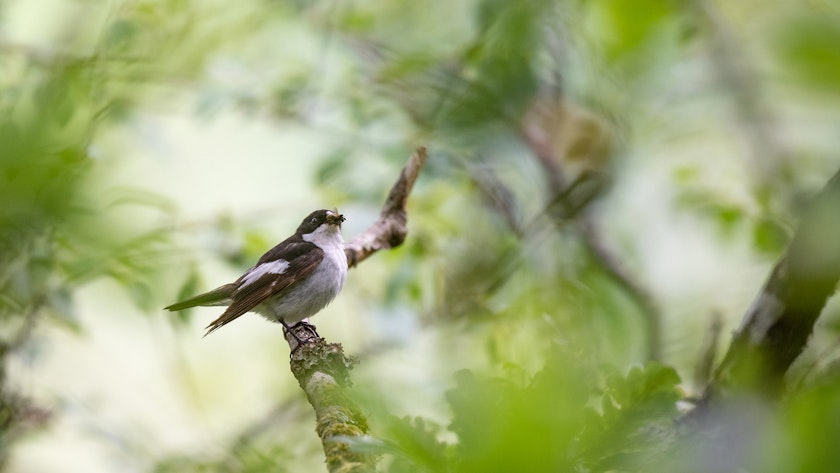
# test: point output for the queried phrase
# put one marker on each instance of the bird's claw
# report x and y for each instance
(302, 332)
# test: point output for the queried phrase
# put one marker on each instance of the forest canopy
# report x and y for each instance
(620, 255)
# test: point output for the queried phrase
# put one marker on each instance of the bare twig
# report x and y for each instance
(567, 205)
(498, 197)
(321, 368)
(389, 230)
(615, 270)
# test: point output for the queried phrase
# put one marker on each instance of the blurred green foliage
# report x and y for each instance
(810, 421)
(543, 422)
(807, 49)
(501, 92)
(256, 457)
(63, 224)
(634, 67)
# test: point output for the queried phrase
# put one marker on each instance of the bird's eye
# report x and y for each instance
(314, 220)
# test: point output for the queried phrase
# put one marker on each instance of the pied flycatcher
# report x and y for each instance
(292, 281)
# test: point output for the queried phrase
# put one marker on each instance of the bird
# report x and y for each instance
(290, 282)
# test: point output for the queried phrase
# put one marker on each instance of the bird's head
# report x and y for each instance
(330, 219)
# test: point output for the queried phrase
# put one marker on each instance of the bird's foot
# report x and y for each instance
(307, 328)
(302, 332)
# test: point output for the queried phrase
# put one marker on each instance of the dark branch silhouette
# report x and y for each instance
(776, 328)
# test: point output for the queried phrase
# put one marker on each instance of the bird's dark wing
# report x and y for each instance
(288, 249)
(302, 257)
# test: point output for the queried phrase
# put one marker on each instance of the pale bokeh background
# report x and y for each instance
(131, 387)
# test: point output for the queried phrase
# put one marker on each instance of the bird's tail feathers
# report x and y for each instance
(218, 296)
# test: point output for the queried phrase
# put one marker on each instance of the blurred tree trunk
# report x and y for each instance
(780, 320)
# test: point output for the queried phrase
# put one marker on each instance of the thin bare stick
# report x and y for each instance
(389, 230)
(615, 269)
(563, 207)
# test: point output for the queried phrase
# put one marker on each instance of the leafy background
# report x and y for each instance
(153, 149)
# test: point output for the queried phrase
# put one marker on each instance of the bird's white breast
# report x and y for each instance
(322, 286)
(332, 272)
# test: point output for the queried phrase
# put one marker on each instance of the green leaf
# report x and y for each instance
(636, 419)
(254, 244)
(769, 237)
(625, 27)
(414, 443)
(808, 50)
(503, 425)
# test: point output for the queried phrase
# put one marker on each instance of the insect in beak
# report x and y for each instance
(335, 218)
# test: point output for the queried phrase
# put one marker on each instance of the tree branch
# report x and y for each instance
(321, 368)
(569, 201)
(780, 320)
(389, 230)
(616, 271)
(323, 372)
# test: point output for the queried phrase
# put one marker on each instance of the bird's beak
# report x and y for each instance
(334, 218)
